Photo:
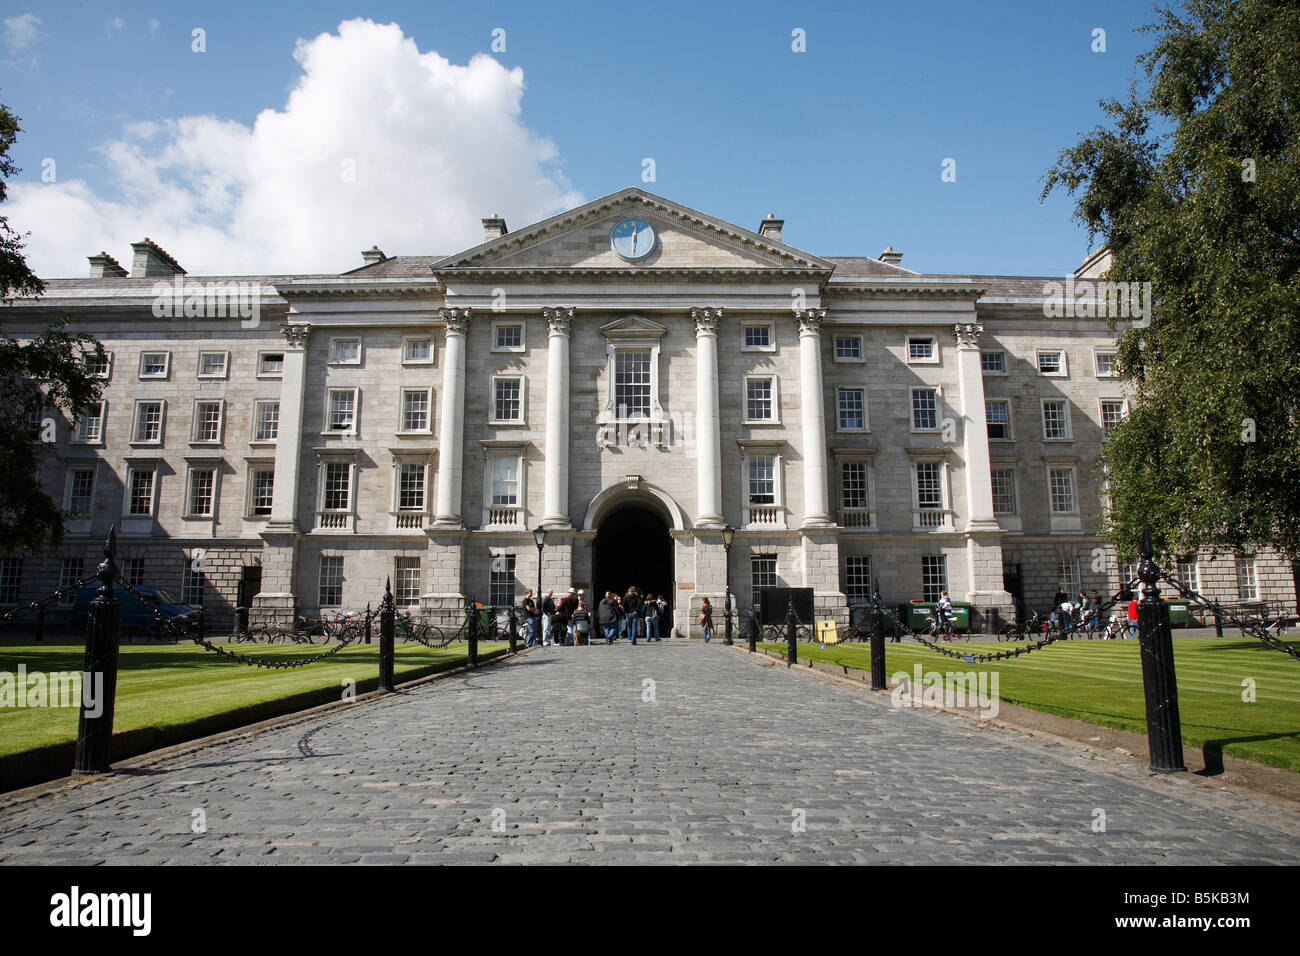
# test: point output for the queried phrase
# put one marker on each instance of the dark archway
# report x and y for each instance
(632, 548)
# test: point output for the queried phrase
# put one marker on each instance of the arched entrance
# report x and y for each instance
(632, 548)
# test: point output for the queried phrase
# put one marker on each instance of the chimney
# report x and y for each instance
(104, 266)
(150, 259)
(372, 255)
(889, 257)
(494, 228)
(770, 228)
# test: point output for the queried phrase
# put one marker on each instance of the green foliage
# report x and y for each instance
(1195, 185)
(38, 378)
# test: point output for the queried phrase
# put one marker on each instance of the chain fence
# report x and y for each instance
(1255, 629)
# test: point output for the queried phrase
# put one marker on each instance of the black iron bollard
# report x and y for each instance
(369, 618)
(387, 634)
(751, 633)
(241, 620)
(1164, 729)
(791, 635)
(1218, 623)
(726, 621)
(103, 635)
(40, 623)
(471, 629)
(877, 645)
(512, 629)
(203, 627)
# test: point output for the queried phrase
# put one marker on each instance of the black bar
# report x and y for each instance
(791, 635)
(103, 637)
(387, 633)
(472, 633)
(1159, 683)
(512, 629)
(40, 623)
(877, 645)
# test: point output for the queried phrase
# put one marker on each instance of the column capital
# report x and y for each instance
(968, 335)
(558, 320)
(706, 321)
(810, 320)
(295, 335)
(456, 320)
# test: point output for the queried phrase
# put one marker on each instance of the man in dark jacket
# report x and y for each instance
(548, 612)
(607, 615)
(632, 608)
(564, 612)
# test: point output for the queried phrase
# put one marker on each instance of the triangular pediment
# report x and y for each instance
(580, 240)
(633, 327)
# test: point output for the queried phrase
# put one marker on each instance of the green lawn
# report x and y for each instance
(173, 684)
(1101, 682)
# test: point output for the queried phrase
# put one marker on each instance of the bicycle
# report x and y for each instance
(253, 634)
(947, 631)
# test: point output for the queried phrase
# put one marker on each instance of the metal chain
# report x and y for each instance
(1248, 628)
(53, 598)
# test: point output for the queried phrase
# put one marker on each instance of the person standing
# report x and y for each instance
(529, 607)
(632, 608)
(706, 619)
(548, 612)
(650, 612)
(607, 614)
(1133, 615)
(564, 612)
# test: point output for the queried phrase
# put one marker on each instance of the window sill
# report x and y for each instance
(507, 422)
(853, 431)
(416, 433)
(760, 421)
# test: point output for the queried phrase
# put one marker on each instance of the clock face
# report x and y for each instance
(633, 239)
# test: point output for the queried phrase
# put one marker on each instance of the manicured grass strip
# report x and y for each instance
(168, 686)
(1101, 682)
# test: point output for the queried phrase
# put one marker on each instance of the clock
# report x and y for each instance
(633, 239)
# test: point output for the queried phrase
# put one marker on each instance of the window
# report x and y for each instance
(632, 383)
(148, 423)
(330, 590)
(406, 582)
(270, 364)
(929, 485)
(1060, 486)
(762, 480)
(342, 413)
(1189, 572)
(997, 412)
(857, 579)
(922, 349)
(758, 337)
(33, 419)
(760, 399)
(501, 581)
(853, 409)
(1105, 363)
(854, 491)
(507, 399)
(337, 494)
(1247, 589)
(154, 364)
(97, 367)
(1051, 362)
(266, 421)
(1112, 411)
(505, 482)
(1128, 572)
(207, 422)
(1004, 491)
(90, 424)
(415, 410)
(417, 350)
(1067, 578)
(11, 580)
(202, 483)
(191, 584)
(993, 363)
(507, 337)
(213, 364)
(762, 574)
(848, 348)
(925, 410)
(70, 574)
(410, 486)
(262, 493)
(81, 491)
(133, 571)
(934, 576)
(345, 351)
(140, 485)
(1056, 420)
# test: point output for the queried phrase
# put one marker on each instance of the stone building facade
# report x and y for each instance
(632, 375)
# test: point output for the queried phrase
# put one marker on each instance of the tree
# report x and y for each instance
(37, 377)
(1195, 185)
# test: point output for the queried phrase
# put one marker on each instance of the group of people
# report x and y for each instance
(568, 621)
(1086, 612)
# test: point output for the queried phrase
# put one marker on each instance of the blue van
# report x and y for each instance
(135, 616)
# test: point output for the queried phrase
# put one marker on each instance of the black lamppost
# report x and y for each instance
(539, 535)
(728, 536)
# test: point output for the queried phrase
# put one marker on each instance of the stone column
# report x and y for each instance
(708, 428)
(816, 508)
(556, 511)
(276, 603)
(451, 434)
(983, 534)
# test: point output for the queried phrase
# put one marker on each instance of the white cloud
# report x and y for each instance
(153, 27)
(115, 25)
(22, 32)
(435, 146)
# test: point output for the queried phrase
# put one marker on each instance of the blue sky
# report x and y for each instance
(844, 141)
